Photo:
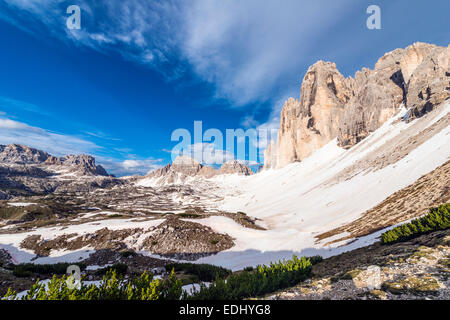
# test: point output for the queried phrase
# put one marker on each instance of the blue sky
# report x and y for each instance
(137, 70)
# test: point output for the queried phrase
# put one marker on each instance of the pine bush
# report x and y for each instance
(437, 219)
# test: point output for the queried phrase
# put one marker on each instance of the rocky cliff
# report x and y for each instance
(234, 167)
(184, 167)
(14, 153)
(349, 109)
(28, 171)
(23, 155)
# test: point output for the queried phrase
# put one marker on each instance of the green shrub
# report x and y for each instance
(263, 280)
(205, 272)
(119, 268)
(190, 280)
(28, 269)
(128, 253)
(112, 287)
(315, 259)
(437, 219)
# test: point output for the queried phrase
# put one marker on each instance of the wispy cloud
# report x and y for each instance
(246, 49)
(58, 144)
(250, 51)
(12, 131)
(12, 104)
(101, 135)
(249, 48)
(130, 166)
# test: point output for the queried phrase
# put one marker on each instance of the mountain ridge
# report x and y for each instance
(349, 109)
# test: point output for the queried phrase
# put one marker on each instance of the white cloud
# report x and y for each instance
(12, 104)
(57, 144)
(205, 153)
(131, 166)
(250, 51)
(247, 49)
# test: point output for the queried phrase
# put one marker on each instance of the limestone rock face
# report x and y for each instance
(233, 167)
(349, 109)
(378, 95)
(412, 57)
(28, 171)
(270, 156)
(19, 154)
(207, 172)
(309, 123)
(184, 167)
(429, 83)
(83, 164)
(23, 155)
(380, 92)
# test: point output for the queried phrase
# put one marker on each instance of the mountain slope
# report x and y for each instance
(333, 188)
(349, 109)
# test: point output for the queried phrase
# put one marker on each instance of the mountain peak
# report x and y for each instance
(349, 109)
(24, 155)
(16, 153)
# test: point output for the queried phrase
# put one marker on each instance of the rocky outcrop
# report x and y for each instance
(19, 154)
(28, 171)
(23, 155)
(412, 270)
(309, 123)
(429, 83)
(207, 172)
(184, 167)
(378, 95)
(234, 167)
(83, 164)
(349, 109)
(186, 240)
(270, 156)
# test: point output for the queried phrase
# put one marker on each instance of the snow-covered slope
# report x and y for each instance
(328, 189)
